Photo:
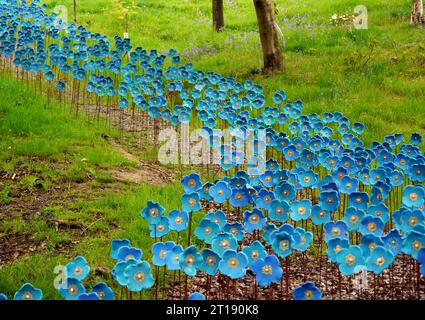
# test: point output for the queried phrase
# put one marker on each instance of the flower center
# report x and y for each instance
(78, 271)
(350, 259)
(371, 226)
(224, 244)
(233, 262)
(192, 202)
(308, 295)
(267, 270)
(254, 218)
(413, 221)
(211, 261)
(72, 290)
(139, 276)
(416, 245)
(302, 210)
(413, 196)
(190, 259)
(380, 261)
(336, 231)
(178, 220)
(284, 245)
(28, 296)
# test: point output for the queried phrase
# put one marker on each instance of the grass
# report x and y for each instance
(50, 142)
(327, 67)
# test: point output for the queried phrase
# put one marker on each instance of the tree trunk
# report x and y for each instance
(218, 15)
(75, 11)
(417, 12)
(272, 50)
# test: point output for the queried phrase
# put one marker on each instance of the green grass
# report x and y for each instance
(386, 93)
(54, 146)
(50, 142)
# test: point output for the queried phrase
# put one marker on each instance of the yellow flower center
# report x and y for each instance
(139, 276)
(350, 259)
(233, 262)
(267, 270)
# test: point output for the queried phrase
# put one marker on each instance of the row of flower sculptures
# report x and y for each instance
(325, 194)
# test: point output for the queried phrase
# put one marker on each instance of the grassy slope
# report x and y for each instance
(50, 142)
(387, 94)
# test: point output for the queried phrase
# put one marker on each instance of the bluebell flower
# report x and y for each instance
(223, 242)
(371, 225)
(118, 271)
(379, 260)
(236, 229)
(191, 183)
(28, 292)
(239, 198)
(178, 220)
(190, 260)
(285, 191)
(415, 139)
(413, 196)
(127, 253)
(207, 230)
(336, 229)
(71, 289)
(393, 241)
(329, 200)
(412, 243)
(279, 210)
(218, 217)
(267, 231)
(379, 211)
(370, 242)
(196, 296)
(353, 218)
(210, 262)
(267, 270)
(300, 210)
(307, 291)
(159, 229)
(233, 264)
(264, 199)
(334, 246)
(77, 269)
(411, 219)
(254, 251)
(319, 216)
(103, 291)
(159, 249)
(303, 240)
(358, 200)
(3, 297)
(349, 258)
(116, 246)
(254, 220)
(139, 276)
(190, 202)
(172, 257)
(220, 192)
(282, 243)
(348, 185)
(152, 212)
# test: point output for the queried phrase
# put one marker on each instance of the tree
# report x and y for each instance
(75, 11)
(417, 12)
(269, 36)
(218, 15)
